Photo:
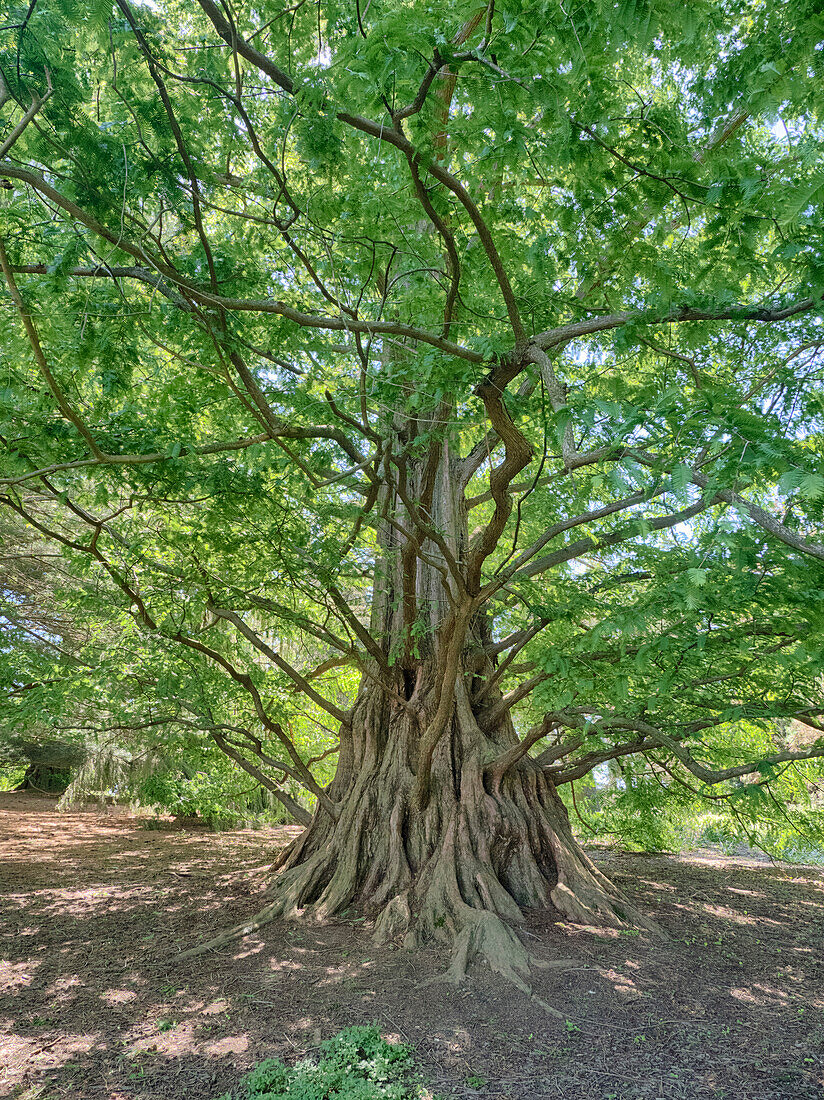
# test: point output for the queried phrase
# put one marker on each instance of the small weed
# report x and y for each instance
(166, 1025)
(474, 1081)
(357, 1064)
(570, 1026)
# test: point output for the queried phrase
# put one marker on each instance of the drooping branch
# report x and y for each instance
(577, 461)
(37, 102)
(140, 610)
(482, 450)
(214, 300)
(297, 811)
(220, 733)
(655, 737)
(276, 659)
(246, 682)
(40, 358)
(511, 366)
(286, 614)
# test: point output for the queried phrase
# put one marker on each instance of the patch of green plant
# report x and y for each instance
(357, 1064)
(204, 786)
(11, 776)
(776, 813)
(201, 795)
(39, 1021)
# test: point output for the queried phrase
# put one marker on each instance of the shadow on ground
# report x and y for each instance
(93, 1004)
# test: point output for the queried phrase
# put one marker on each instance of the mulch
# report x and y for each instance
(95, 907)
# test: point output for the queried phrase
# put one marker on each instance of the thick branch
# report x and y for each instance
(517, 455)
(497, 768)
(233, 305)
(654, 737)
(36, 103)
(393, 136)
(586, 546)
(295, 809)
(276, 659)
(138, 459)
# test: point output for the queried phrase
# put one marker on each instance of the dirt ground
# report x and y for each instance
(95, 907)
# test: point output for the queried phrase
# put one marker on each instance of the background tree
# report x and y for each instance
(473, 350)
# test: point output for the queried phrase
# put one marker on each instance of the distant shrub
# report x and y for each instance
(215, 796)
(357, 1064)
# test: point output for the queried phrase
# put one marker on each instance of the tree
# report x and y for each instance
(474, 352)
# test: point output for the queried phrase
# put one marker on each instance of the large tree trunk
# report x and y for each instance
(449, 850)
(461, 868)
(429, 841)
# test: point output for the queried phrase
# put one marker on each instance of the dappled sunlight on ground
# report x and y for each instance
(95, 1006)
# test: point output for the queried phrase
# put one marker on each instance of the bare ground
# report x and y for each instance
(94, 908)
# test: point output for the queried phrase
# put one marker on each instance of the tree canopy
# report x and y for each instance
(469, 354)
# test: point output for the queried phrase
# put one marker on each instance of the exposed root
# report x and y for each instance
(393, 920)
(459, 872)
(487, 939)
(229, 935)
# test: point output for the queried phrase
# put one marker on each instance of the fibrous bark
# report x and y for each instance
(432, 839)
(459, 870)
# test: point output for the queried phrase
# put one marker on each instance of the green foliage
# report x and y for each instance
(779, 811)
(357, 1064)
(11, 776)
(243, 303)
(221, 796)
(198, 796)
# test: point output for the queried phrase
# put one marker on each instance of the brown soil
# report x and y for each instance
(95, 907)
